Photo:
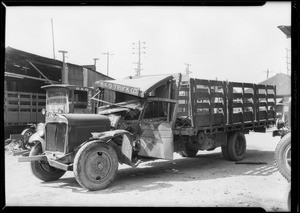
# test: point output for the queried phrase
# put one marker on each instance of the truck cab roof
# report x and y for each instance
(139, 86)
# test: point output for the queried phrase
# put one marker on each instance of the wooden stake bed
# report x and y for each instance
(219, 106)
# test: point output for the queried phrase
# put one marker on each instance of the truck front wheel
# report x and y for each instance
(95, 166)
(235, 149)
(41, 169)
(283, 156)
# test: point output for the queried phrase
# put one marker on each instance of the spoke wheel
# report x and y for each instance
(95, 166)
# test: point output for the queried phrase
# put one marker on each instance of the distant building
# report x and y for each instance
(283, 86)
(27, 72)
(24, 75)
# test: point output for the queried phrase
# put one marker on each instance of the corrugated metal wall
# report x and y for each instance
(77, 75)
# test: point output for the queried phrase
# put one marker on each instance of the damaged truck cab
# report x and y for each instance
(144, 118)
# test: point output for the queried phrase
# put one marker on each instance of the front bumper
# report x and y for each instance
(53, 163)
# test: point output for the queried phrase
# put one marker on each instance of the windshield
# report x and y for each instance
(56, 97)
(111, 102)
(57, 100)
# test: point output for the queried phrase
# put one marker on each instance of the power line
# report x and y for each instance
(139, 63)
(53, 39)
(187, 69)
(268, 71)
(107, 66)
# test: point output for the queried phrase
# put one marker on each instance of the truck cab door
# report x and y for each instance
(156, 137)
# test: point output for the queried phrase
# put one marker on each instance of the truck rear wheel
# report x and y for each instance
(235, 149)
(41, 169)
(95, 166)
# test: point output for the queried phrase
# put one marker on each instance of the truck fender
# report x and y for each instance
(24, 131)
(109, 134)
(37, 137)
(124, 152)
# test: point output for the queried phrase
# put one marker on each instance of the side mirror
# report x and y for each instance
(43, 111)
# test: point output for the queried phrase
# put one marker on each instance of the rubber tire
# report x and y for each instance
(229, 152)
(282, 147)
(82, 169)
(225, 152)
(188, 152)
(40, 170)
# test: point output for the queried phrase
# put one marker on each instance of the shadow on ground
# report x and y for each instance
(160, 174)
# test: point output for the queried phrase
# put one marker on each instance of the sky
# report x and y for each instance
(224, 43)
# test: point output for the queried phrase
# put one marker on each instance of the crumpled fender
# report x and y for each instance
(32, 127)
(109, 134)
(37, 137)
(24, 131)
(124, 152)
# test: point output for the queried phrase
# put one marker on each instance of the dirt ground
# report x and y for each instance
(204, 181)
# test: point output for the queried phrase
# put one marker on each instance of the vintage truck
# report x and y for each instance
(59, 98)
(148, 118)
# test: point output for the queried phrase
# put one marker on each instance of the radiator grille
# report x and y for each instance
(55, 136)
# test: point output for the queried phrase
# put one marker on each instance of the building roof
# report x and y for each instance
(282, 83)
(15, 54)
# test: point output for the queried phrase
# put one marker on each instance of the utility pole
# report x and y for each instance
(268, 71)
(107, 66)
(95, 61)
(287, 61)
(187, 69)
(64, 71)
(139, 63)
(53, 39)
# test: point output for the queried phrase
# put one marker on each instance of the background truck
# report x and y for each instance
(59, 98)
(151, 117)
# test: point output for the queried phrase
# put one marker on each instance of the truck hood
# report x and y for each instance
(86, 119)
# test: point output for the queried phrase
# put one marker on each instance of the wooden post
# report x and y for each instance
(210, 106)
(191, 103)
(19, 107)
(255, 101)
(230, 110)
(243, 99)
(36, 106)
(225, 107)
(30, 106)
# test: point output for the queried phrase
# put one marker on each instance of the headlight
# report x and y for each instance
(43, 111)
(40, 129)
